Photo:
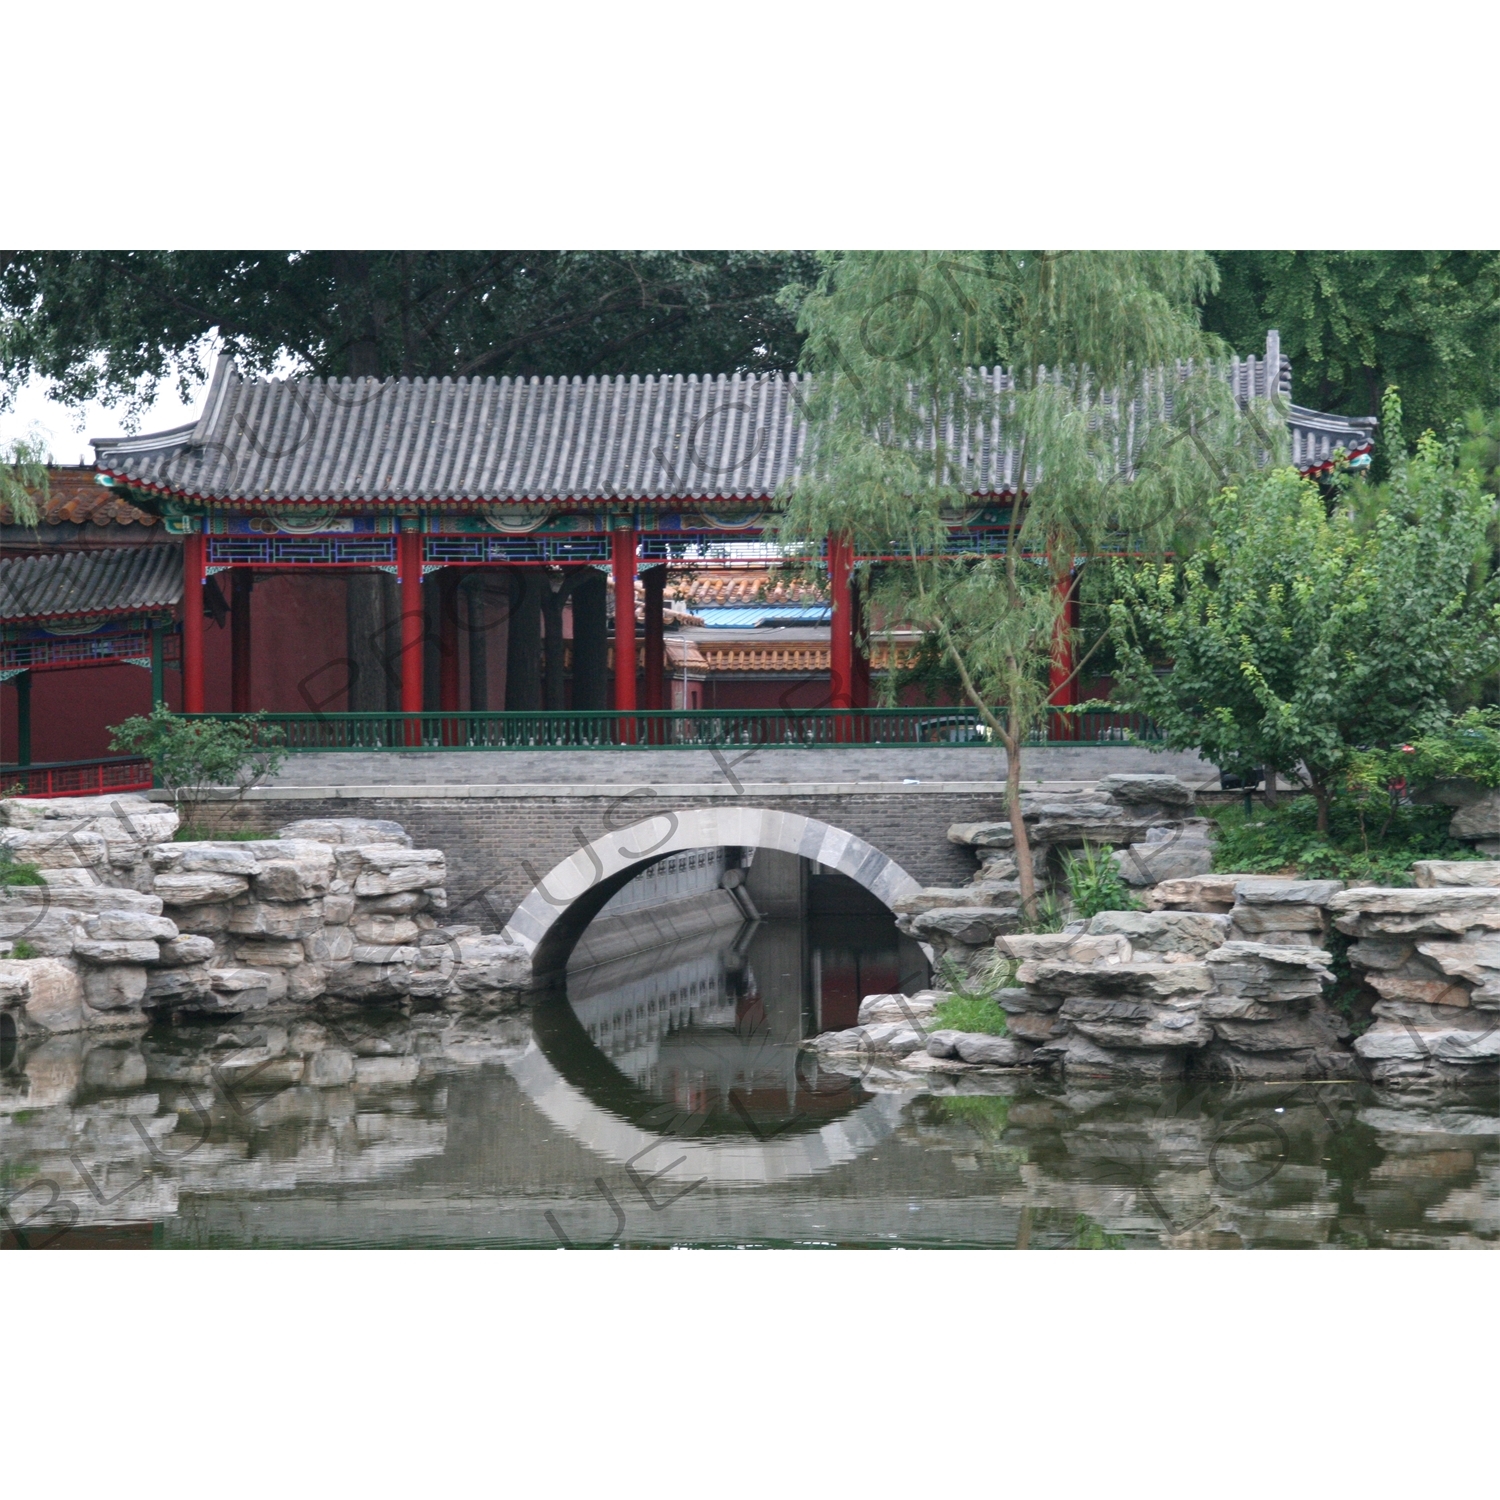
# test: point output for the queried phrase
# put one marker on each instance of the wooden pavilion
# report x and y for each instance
(564, 483)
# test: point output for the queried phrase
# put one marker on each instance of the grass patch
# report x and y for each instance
(22, 949)
(1368, 840)
(970, 1012)
(197, 833)
(18, 872)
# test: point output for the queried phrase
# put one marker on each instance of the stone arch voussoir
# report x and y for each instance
(702, 828)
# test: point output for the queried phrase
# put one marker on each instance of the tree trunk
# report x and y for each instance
(1321, 794)
(1025, 873)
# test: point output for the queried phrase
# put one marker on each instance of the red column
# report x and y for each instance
(622, 557)
(192, 624)
(655, 580)
(409, 558)
(841, 639)
(1063, 683)
(448, 640)
(242, 580)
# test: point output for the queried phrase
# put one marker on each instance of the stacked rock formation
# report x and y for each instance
(129, 925)
(1149, 815)
(1433, 956)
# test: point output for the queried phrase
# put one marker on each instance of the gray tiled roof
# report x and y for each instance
(594, 441)
(117, 580)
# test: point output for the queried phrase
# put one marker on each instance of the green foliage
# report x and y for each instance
(189, 756)
(192, 833)
(1371, 838)
(1088, 1235)
(1304, 630)
(1356, 321)
(970, 1012)
(23, 476)
(112, 325)
(1467, 749)
(894, 337)
(22, 949)
(17, 872)
(1095, 883)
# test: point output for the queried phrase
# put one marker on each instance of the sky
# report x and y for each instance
(66, 430)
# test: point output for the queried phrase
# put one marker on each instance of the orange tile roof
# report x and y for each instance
(73, 496)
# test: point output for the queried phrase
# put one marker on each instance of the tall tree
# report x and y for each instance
(901, 428)
(1305, 629)
(112, 325)
(1355, 321)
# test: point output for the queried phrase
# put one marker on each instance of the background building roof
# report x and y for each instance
(615, 440)
(75, 495)
(119, 580)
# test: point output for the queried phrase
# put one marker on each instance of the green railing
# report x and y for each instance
(690, 729)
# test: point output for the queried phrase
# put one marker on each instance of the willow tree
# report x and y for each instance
(1104, 417)
(23, 476)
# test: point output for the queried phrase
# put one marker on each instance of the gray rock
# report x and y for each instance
(121, 986)
(270, 952)
(280, 919)
(298, 870)
(1480, 819)
(943, 1043)
(1368, 911)
(1431, 873)
(129, 927)
(89, 899)
(1133, 787)
(210, 857)
(1259, 890)
(187, 948)
(1250, 921)
(329, 944)
(898, 1008)
(115, 953)
(989, 893)
(57, 851)
(1154, 981)
(1163, 931)
(165, 986)
(386, 869)
(1478, 962)
(973, 926)
(1206, 892)
(1148, 864)
(348, 831)
(989, 1051)
(198, 887)
(385, 929)
(400, 904)
(50, 991)
(982, 835)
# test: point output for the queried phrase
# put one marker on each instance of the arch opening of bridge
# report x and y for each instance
(560, 905)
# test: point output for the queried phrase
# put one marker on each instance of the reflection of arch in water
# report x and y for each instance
(737, 1162)
(7, 1039)
(553, 916)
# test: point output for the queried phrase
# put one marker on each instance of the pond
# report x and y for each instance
(660, 1097)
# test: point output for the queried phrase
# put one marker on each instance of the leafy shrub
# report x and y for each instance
(1095, 883)
(22, 949)
(1467, 749)
(1373, 840)
(190, 756)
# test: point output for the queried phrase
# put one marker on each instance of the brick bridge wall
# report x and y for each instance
(500, 840)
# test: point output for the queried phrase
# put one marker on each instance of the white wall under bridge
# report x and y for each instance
(606, 860)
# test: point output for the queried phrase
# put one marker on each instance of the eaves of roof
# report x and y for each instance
(114, 581)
